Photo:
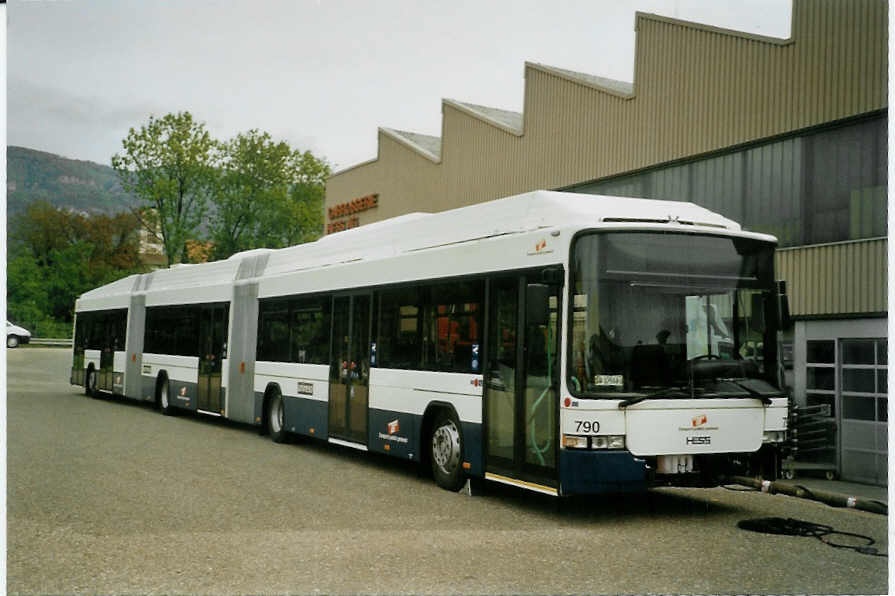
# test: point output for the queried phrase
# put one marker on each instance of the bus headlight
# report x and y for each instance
(774, 436)
(608, 442)
(574, 442)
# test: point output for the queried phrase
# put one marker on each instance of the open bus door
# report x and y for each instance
(521, 382)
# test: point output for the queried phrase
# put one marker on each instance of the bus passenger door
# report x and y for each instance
(521, 382)
(112, 326)
(106, 354)
(212, 350)
(350, 368)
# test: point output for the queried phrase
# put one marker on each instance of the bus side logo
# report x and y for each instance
(541, 248)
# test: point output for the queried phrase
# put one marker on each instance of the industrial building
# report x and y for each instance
(785, 136)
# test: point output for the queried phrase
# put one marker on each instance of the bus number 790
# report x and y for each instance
(587, 426)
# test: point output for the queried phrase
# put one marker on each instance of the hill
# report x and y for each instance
(73, 184)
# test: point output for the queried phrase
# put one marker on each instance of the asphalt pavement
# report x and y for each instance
(109, 496)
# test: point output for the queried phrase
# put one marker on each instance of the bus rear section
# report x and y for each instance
(98, 356)
(672, 371)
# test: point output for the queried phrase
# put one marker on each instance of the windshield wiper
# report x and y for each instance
(667, 392)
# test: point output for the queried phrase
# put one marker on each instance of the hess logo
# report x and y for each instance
(700, 420)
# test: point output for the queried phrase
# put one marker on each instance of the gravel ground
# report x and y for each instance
(108, 496)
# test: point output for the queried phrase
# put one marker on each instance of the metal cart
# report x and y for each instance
(812, 442)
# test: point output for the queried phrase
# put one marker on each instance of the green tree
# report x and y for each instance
(169, 164)
(40, 230)
(57, 255)
(26, 296)
(306, 195)
(267, 195)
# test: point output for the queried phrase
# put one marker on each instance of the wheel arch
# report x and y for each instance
(161, 376)
(433, 409)
(89, 370)
(269, 391)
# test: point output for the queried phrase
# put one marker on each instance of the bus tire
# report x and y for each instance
(90, 383)
(445, 451)
(276, 417)
(163, 396)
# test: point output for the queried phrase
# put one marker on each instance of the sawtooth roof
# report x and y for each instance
(503, 118)
(427, 144)
(622, 88)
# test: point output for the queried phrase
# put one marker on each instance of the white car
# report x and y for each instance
(16, 335)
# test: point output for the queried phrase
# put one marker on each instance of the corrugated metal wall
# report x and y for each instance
(696, 89)
(834, 279)
(411, 180)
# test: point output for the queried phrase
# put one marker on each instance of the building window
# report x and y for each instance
(864, 399)
(821, 374)
(864, 377)
(811, 187)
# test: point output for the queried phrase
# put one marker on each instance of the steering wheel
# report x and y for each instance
(706, 357)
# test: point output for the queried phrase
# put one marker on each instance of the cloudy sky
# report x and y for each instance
(321, 74)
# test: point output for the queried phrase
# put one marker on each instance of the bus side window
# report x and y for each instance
(399, 329)
(309, 330)
(453, 320)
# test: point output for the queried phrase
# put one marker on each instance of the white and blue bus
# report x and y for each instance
(562, 343)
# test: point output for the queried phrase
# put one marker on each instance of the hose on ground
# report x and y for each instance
(796, 527)
(796, 490)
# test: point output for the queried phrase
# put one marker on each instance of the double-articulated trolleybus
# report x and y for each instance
(558, 342)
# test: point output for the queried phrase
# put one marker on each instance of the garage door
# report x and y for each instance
(862, 399)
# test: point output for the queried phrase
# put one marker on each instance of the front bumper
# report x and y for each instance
(592, 472)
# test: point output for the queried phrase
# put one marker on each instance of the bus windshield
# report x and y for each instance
(672, 314)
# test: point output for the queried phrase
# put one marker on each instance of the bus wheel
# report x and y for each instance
(164, 402)
(446, 447)
(90, 383)
(12, 341)
(276, 417)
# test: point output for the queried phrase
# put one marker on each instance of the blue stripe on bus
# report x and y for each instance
(589, 472)
(407, 441)
(302, 414)
(187, 401)
(472, 448)
(259, 407)
(394, 433)
(147, 388)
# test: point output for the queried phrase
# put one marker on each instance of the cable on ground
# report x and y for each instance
(796, 527)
